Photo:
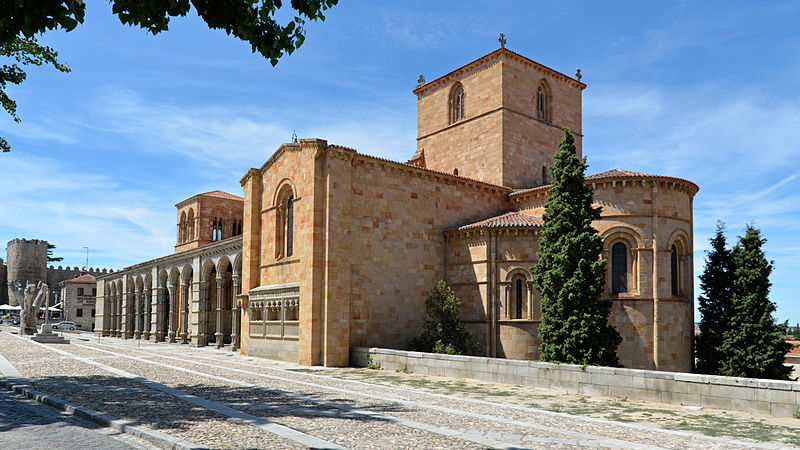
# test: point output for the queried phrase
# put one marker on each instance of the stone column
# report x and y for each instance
(171, 289)
(529, 289)
(507, 310)
(120, 300)
(137, 315)
(202, 315)
(106, 315)
(220, 302)
(148, 311)
(161, 333)
(185, 305)
(126, 314)
(236, 314)
(116, 302)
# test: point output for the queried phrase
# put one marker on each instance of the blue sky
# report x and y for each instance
(709, 92)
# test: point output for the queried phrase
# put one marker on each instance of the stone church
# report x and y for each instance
(340, 249)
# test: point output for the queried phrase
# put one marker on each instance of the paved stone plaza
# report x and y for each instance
(205, 397)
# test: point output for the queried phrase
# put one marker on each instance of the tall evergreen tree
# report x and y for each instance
(570, 273)
(714, 303)
(754, 344)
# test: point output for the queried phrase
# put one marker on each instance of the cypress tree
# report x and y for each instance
(754, 344)
(570, 273)
(714, 303)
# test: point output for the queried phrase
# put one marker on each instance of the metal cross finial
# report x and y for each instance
(578, 74)
(502, 40)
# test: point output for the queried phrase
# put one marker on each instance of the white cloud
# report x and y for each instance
(46, 199)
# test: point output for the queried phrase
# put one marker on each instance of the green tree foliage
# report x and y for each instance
(570, 273)
(443, 331)
(252, 21)
(22, 52)
(50, 257)
(715, 304)
(754, 344)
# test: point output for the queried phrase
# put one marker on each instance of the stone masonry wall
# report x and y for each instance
(773, 397)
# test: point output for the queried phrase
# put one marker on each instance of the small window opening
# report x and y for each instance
(674, 269)
(290, 226)
(619, 268)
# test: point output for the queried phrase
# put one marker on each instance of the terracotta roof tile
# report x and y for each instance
(221, 194)
(83, 278)
(509, 219)
(796, 350)
(613, 173)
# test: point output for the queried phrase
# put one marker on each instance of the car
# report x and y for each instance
(15, 320)
(64, 326)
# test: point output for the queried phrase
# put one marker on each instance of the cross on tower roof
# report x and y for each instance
(502, 40)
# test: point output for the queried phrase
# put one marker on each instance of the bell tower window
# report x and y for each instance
(458, 107)
(543, 100)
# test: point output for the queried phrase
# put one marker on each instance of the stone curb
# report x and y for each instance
(162, 440)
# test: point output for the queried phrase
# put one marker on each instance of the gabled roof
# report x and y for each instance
(507, 220)
(221, 194)
(83, 278)
(215, 194)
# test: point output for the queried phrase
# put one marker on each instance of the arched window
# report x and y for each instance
(190, 220)
(182, 228)
(458, 106)
(674, 269)
(619, 268)
(543, 100)
(290, 225)
(518, 297)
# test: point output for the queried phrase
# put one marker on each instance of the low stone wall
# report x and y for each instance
(776, 398)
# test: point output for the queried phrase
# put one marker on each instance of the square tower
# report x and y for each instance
(208, 217)
(497, 119)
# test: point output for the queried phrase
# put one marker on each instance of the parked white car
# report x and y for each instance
(64, 326)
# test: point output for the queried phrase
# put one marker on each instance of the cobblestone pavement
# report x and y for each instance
(219, 399)
(25, 424)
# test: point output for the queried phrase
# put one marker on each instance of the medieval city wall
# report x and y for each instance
(27, 261)
(774, 397)
(3, 283)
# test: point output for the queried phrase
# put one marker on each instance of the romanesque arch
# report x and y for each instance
(679, 262)
(622, 269)
(519, 301)
(284, 219)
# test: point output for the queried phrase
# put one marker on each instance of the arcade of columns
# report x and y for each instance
(187, 297)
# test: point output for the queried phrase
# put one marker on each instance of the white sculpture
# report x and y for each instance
(34, 296)
(15, 293)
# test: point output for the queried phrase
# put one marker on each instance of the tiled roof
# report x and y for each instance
(616, 173)
(509, 219)
(83, 278)
(619, 173)
(613, 173)
(796, 350)
(221, 194)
